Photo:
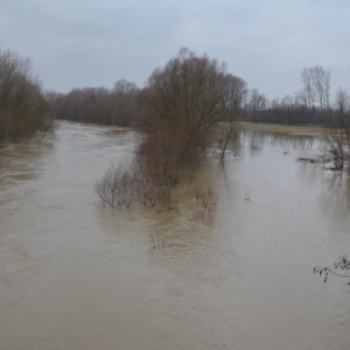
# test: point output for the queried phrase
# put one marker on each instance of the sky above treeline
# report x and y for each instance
(77, 43)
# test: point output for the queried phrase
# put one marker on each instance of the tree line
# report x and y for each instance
(25, 108)
(117, 106)
(124, 104)
(311, 105)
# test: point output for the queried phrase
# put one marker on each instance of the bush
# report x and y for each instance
(118, 188)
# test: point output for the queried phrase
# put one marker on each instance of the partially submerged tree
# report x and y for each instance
(338, 134)
(186, 95)
(235, 95)
(181, 104)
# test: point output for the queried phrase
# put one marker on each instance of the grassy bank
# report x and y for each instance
(285, 129)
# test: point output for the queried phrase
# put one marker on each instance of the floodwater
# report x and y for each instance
(75, 275)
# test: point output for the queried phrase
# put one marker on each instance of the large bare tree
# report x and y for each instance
(182, 103)
(187, 94)
(338, 135)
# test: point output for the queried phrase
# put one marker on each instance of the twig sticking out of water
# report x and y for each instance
(246, 195)
(343, 263)
(153, 245)
(205, 206)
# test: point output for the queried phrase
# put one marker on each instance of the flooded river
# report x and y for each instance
(75, 275)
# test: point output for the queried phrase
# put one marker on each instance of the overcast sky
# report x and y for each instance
(76, 43)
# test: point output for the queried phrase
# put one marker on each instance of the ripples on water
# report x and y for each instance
(76, 275)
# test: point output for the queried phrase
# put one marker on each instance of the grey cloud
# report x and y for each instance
(93, 43)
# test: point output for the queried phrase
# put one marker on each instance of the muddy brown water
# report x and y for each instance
(75, 275)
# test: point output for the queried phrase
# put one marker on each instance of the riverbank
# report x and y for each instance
(307, 130)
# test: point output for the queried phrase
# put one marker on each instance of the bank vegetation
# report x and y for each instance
(23, 109)
(117, 106)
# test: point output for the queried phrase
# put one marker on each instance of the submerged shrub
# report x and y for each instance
(205, 206)
(117, 188)
(142, 183)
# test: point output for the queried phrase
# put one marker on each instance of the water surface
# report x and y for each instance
(76, 275)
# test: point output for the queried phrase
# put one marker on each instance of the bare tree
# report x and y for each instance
(257, 102)
(308, 94)
(316, 82)
(23, 109)
(338, 135)
(311, 105)
(322, 86)
(187, 94)
(182, 103)
(235, 95)
(124, 87)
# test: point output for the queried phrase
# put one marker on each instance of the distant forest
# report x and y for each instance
(123, 104)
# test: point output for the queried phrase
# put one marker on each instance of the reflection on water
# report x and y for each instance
(77, 275)
(286, 141)
(21, 161)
